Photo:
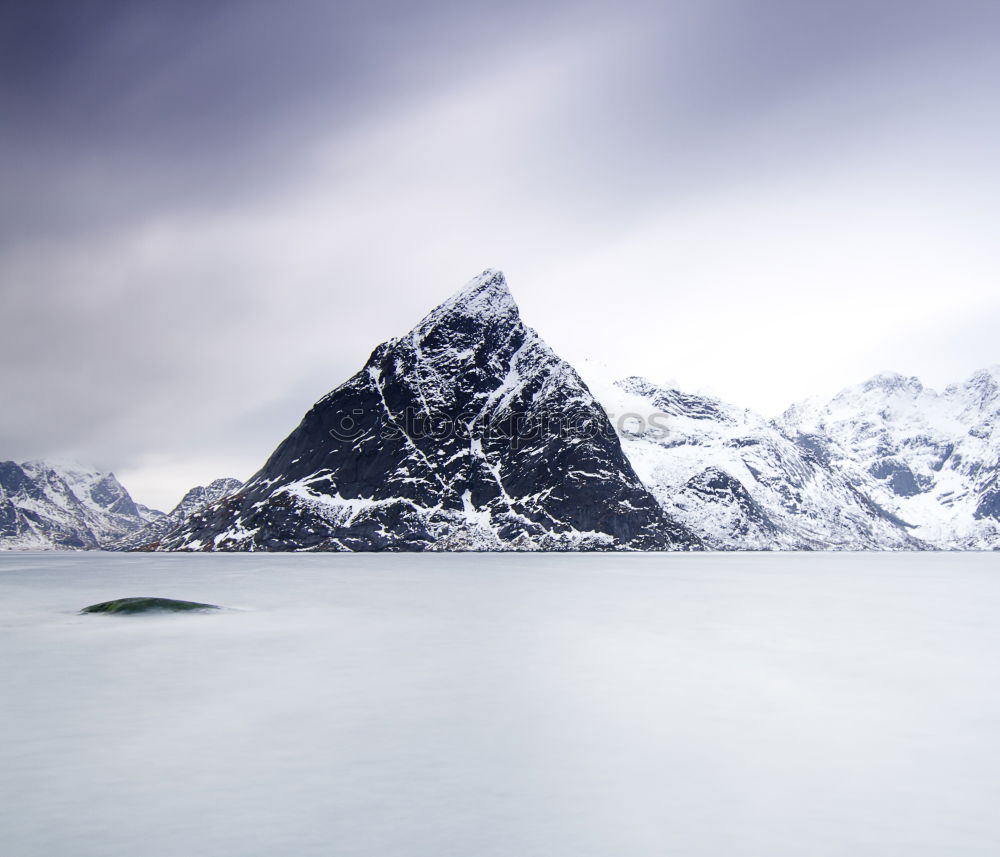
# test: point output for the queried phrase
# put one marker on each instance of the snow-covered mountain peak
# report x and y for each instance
(981, 391)
(485, 300)
(44, 504)
(467, 432)
(893, 383)
(97, 490)
(933, 456)
(900, 399)
(736, 480)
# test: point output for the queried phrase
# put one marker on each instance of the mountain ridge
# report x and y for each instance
(470, 433)
(934, 456)
(46, 505)
(193, 500)
(740, 483)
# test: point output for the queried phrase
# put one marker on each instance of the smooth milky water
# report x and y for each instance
(518, 705)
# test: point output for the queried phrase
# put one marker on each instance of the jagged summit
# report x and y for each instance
(893, 382)
(982, 388)
(992, 371)
(485, 298)
(463, 334)
(196, 498)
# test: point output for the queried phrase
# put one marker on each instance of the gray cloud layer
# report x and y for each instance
(212, 212)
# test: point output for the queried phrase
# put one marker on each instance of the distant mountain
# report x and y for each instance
(196, 499)
(48, 505)
(933, 458)
(468, 432)
(739, 482)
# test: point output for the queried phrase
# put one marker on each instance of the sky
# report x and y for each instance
(212, 212)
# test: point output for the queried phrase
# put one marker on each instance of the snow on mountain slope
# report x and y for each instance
(738, 482)
(53, 505)
(147, 514)
(935, 457)
(193, 501)
(100, 492)
(468, 432)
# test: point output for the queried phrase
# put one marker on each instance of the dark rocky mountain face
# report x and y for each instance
(467, 433)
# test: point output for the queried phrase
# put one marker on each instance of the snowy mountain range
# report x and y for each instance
(934, 457)
(740, 482)
(52, 505)
(46, 505)
(470, 433)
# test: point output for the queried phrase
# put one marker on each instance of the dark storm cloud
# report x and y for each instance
(212, 211)
(113, 106)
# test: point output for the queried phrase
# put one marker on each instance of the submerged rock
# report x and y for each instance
(147, 605)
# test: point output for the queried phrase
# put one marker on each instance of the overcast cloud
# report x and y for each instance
(212, 212)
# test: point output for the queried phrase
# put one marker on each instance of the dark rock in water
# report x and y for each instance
(147, 605)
